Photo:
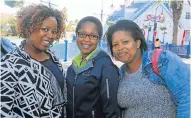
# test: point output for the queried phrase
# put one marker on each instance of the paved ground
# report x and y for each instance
(68, 63)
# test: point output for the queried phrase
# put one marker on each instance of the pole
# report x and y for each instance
(155, 27)
(149, 29)
(163, 37)
(66, 50)
(49, 3)
(102, 11)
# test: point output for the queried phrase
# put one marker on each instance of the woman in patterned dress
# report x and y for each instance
(32, 79)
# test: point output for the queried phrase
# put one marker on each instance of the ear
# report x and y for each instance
(138, 42)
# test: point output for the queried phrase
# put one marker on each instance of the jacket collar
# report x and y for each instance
(146, 58)
(98, 55)
(88, 65)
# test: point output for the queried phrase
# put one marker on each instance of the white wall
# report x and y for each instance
(168, 23)
(186, 23)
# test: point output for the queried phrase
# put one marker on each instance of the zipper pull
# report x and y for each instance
(93, 114)
(74, 84)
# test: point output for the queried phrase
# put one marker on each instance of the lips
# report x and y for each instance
(122, 54)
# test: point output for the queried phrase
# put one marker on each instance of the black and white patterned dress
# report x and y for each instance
(28, 89)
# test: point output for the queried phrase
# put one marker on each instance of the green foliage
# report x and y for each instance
(163, 28)
(13, 3)
(76, 21)
(70, 26)
(8, 25)
(64, 11)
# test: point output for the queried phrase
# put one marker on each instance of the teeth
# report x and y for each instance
(46, 42)
(122, 54)
(85, 46)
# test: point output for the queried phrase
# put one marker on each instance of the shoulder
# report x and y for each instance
(7, 44)
(10, 61)
(10, 56)
(104, 61)
(103, 58)
(164, 55)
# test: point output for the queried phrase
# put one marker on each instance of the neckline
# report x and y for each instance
(138, 70)
(45, 60)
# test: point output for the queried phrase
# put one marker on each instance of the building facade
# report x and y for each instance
(146, 13)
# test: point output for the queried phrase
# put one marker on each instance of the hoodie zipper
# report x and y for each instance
(93, 114)
(107, 86)
(73, 95)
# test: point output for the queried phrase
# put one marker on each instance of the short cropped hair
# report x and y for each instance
(92, 19)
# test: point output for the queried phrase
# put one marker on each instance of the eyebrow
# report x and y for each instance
(48, 27)
(88, 33)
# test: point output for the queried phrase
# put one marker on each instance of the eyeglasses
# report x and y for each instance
(91, 36)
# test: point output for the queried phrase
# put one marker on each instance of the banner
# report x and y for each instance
(183, 37)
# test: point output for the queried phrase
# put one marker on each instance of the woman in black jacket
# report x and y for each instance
(92, 79)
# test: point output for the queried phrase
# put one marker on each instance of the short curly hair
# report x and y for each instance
(30, 18)
(127, 26)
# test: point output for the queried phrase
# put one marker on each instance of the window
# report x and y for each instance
(188, 15)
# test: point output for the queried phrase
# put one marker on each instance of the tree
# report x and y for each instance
(14, 3)
(69, 27)
(177, 7)
(64, 12)
(12, 25)
(76, 21)
(8, 25)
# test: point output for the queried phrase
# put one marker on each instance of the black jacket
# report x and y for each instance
(92, 90)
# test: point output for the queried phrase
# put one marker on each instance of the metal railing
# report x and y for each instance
(67, 51)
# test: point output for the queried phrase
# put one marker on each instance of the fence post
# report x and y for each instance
(188, 50)
(100, 44)
(66, 50)
(166, 46)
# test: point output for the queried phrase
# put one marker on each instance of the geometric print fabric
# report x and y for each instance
(27, 89)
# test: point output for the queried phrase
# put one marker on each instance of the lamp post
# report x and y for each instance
(101, 11)
(165, 29)
(149, 29)
(164, 36)
(147, 26)
(49, 3)
(155, 26)
(102, 14)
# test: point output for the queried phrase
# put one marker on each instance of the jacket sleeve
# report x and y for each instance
(177, 78)
(8, 83)
(109, 86)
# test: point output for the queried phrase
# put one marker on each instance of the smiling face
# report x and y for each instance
(87, 38)
(125, 48)
(44, 37)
